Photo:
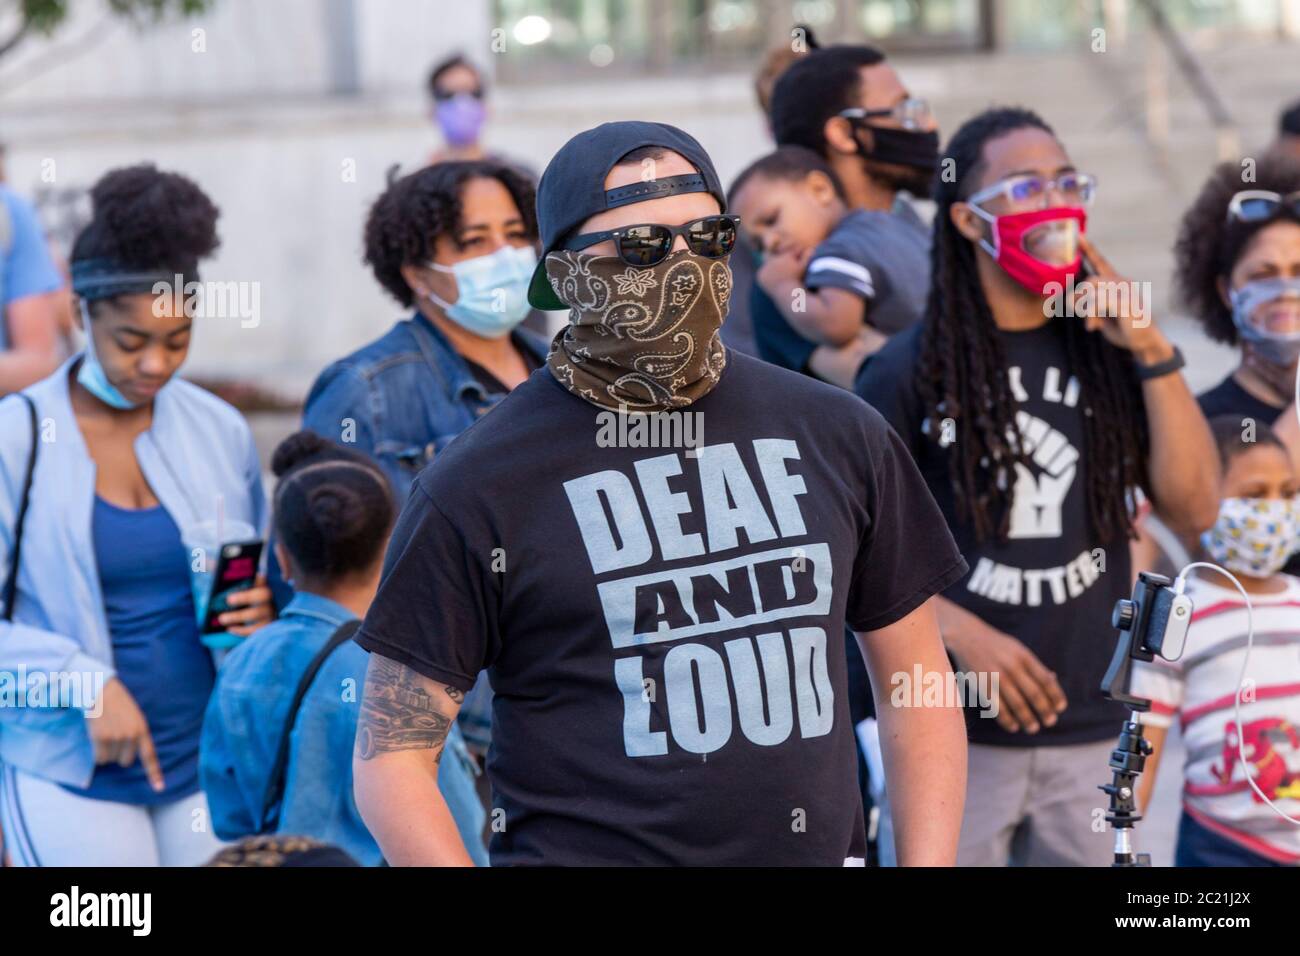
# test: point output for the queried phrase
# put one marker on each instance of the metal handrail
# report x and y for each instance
(1204, 90)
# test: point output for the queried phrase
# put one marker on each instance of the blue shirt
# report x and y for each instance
(145, 578)
(26, 268)
(247, 714)
(197, 451)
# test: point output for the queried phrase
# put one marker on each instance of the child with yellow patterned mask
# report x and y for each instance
(1231, 766)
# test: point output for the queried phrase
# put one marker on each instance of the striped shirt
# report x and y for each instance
(1200, 690)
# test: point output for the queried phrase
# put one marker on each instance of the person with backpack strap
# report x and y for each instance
(276, 753)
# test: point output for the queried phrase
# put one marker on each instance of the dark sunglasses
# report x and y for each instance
(649, 243)
(1259, 205)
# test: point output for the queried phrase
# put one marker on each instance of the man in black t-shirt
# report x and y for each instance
(653, 551)
(1035, 399)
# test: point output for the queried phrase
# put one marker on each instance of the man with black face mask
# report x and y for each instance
(847, 104)
(654, 550)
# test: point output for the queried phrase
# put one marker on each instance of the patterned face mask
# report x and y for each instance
(645, 339)
(1254, 536)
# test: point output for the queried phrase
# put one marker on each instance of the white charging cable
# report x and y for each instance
(1296, 406)
(1180, 583)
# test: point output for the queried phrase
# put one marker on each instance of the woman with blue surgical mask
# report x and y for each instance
(1238, 273)
(130, 464)
(455, 245)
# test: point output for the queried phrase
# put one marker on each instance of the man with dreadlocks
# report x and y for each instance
(1038, 398)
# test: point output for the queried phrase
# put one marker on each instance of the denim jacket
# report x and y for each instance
(246, 717)
(402, 399)
(196, 449)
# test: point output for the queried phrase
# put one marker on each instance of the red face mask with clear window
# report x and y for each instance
(1038, 247)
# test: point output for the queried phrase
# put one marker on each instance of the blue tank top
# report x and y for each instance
(145, 579)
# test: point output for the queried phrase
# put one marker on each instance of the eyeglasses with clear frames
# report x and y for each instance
(1031, 192)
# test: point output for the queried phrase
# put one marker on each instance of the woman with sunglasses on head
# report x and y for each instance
(1036, 414)
(455, 243)
(128, 459)
(1238, 271)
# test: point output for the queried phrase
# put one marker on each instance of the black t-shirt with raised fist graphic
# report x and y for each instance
(1051, 585)
(664, 625)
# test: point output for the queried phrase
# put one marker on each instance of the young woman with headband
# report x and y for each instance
(101, 766)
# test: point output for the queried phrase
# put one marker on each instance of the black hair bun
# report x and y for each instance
(333, 506)
(150, 219)
(338, 511)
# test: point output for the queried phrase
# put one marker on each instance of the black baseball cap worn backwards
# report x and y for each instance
(572, 189)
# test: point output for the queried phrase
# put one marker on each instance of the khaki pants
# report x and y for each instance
(1037, 806)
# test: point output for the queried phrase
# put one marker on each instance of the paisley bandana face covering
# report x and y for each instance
(639, 339)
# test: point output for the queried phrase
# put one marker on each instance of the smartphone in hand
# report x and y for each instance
(236, 571)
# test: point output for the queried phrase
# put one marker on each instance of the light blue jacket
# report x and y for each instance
(197, 448)
(246, 717)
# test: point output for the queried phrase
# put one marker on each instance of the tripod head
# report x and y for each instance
(1153, 622)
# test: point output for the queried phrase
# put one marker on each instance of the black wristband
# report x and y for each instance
(1170, 365)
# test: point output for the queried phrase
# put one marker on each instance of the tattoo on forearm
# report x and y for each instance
(398, 713)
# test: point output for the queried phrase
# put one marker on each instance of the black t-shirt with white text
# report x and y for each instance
(1051, 585)
(664, 629)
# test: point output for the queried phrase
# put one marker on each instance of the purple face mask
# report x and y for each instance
(460, 119)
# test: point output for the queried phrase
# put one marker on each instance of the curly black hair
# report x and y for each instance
(406, 221)
(962, 371)
(149, 220)
(1209, 244)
